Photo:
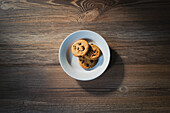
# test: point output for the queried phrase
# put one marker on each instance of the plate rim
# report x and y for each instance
(66, 70)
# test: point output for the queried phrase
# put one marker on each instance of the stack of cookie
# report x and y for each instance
(88, 53)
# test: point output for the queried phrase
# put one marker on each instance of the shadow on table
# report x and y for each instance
(110, 80)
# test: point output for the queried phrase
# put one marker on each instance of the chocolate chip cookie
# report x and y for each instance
(80, 48)
(93, 53)
(85, 63)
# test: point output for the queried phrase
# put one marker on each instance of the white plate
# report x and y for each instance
(69, 62)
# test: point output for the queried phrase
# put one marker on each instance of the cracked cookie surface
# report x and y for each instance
(93, 53)
(86, 63)
(80, 48)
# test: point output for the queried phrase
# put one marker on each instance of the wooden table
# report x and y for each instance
(137, 79)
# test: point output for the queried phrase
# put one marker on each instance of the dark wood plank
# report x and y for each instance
(137, 79)
(42, 88)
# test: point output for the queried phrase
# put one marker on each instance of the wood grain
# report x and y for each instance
(137, 79)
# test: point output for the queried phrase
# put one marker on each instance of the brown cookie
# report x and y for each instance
(93, 53)
(85, 63)
(80, 48)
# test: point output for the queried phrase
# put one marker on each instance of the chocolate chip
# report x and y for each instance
(91, 44)
(83, 48)
(87, 65)
(93, 55)
(74, 46)
(91, 61)
(97, 51)
(78, 48)
(79, 44)
(82, 62)
(83, 56)
(89, 48)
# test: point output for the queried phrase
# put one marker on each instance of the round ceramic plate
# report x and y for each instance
(69, 62)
